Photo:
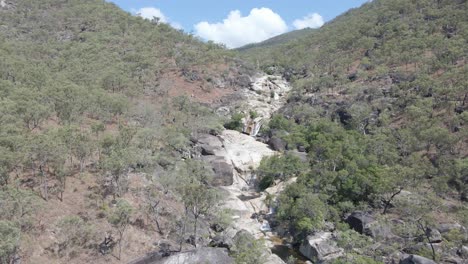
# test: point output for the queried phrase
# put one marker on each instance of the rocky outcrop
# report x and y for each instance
(415, 259)
(320, 247)
(221, 241)
(447, 229)
(266, 94)
(463, 252)
(273, 259)
(277, 144)
(202, 255)
(223, 171)
(360, 222)
(434, 235)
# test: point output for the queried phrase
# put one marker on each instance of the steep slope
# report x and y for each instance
(380, 104)
(96, 112)
(277, 40)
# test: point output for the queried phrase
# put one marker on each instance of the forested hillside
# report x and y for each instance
(380, 104)
(276, 41)
(113, 143)
(90, 99)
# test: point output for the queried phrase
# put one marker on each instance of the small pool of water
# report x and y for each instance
(284, 251)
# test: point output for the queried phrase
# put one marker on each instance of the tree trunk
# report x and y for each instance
(387, 202)
(195, 231)
(426, 234)
(81, 165)
(45, 194)
(183, 230)
(120, 246)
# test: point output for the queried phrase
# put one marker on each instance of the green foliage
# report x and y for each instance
(73, 232)
(120, 215)
(303, 211)
(248, 250)
(9, 243)
(280, 122)
(223, 218)
(235, 123)
(350, 241)
(120, 220)
(19, 207)
(278, 167)
(253, 114)
(356, 259)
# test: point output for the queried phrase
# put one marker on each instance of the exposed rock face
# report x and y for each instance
(320, 247)
(5, 4)
(447, 228)
(361, 222)
(223, 171)
(244, 152)
(274, 259)
(201, 255)
(209, 140)
(463, 252)
(415, 259)
(221, 241)
(266, 95)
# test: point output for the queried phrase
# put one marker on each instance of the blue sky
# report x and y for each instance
(238, 22)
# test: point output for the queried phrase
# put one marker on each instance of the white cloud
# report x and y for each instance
(151, 12)
(314, 20)
(236, 30)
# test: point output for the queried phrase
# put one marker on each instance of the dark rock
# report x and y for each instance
(223, 171)
(107, 245)
(352, 77)
(415, 259)
(434, 235)
(463, 252)
(345, 117)
(277, 144)
(320, 247)
(221, 242)
(214, 132)
(301, 149)
(207, 150)
(209, 140)
(464, 196)
(459, 109)
(361, 222)
(217, 228)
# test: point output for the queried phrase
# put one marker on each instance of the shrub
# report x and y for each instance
(9, 242)
(73, 232)
(235, 123)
